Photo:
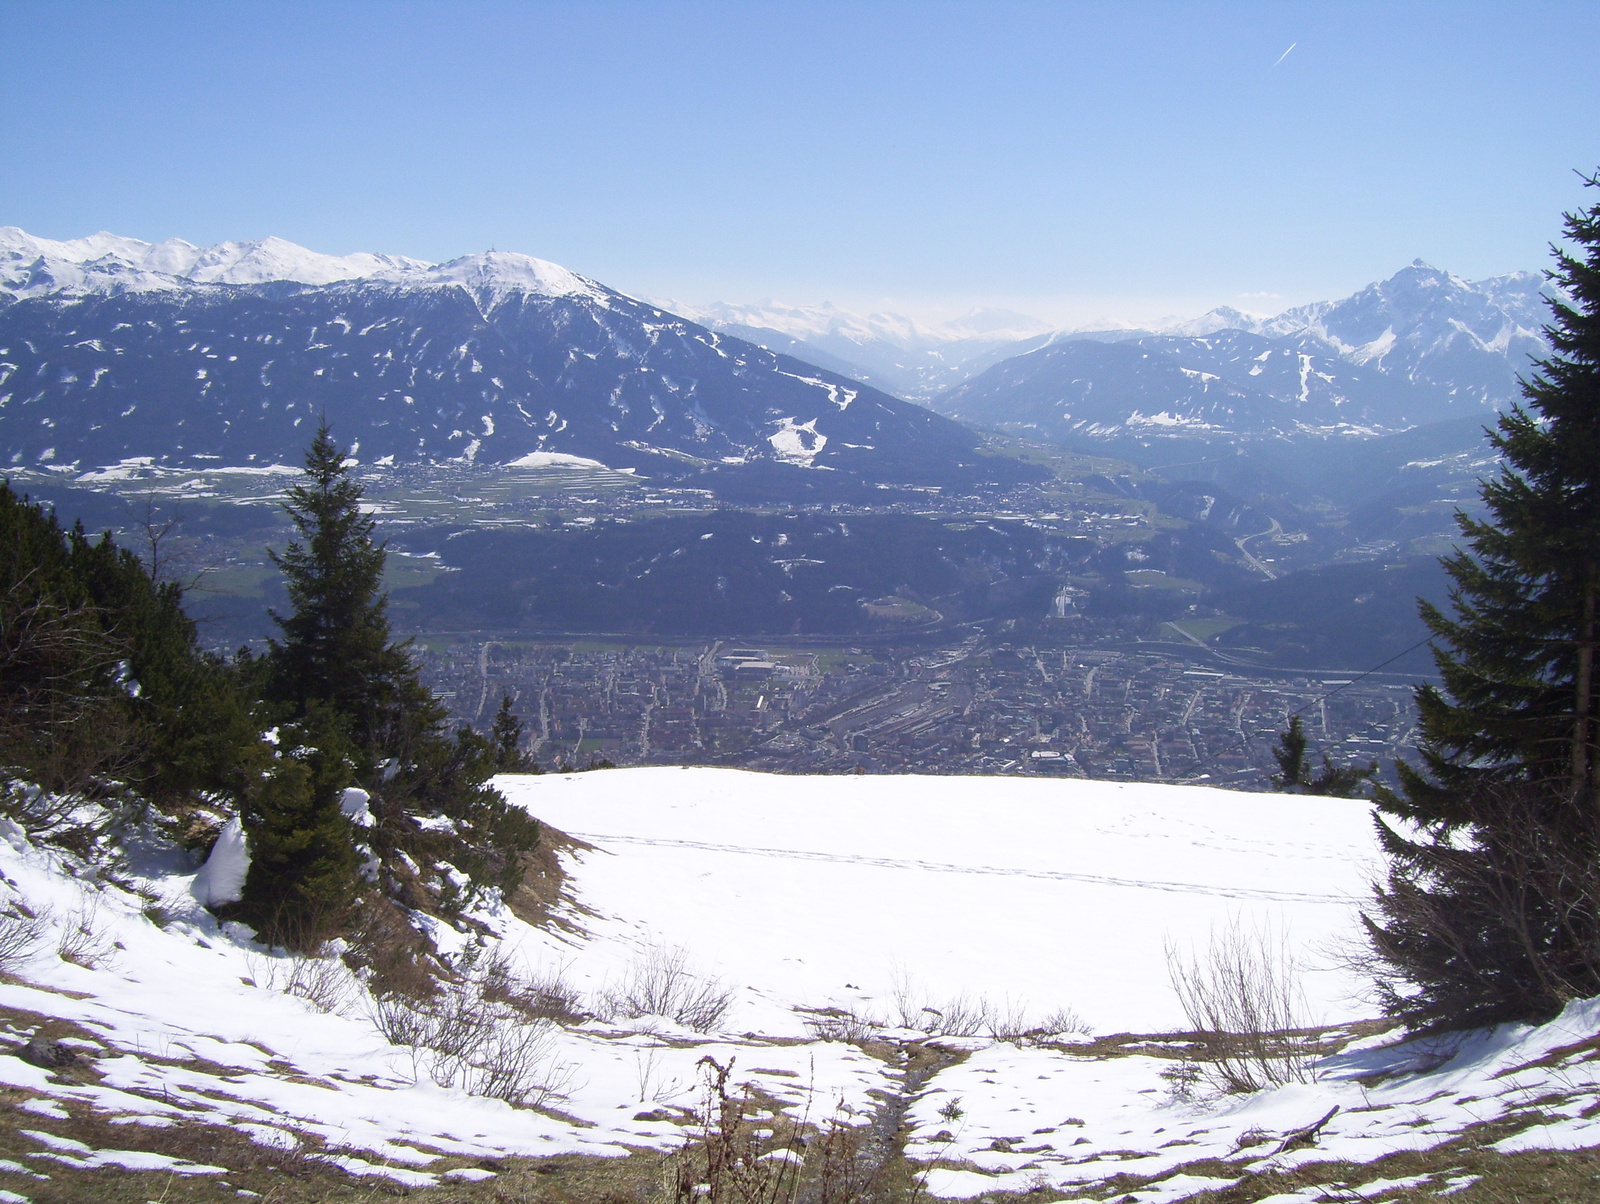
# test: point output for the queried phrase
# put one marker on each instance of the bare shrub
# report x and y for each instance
(654, 1086)
(80, 942)
(543, 995)
(1064, 1020)
(505, 1059)
(840, 1024)
(960, 1016)
(321, 979)
(1243, 1001)
(660, 983)
(966, 1015)
(462, 1038)
(20, 934)
(401, 1020)
(1010, 1022)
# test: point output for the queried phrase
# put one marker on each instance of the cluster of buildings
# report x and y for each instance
(1136, 712)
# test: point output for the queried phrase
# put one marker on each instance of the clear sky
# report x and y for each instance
(1072, 160)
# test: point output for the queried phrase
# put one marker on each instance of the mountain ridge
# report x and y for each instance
(489, 357)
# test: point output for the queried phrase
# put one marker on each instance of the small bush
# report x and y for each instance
(1243, 1000)
(839, 1024)
(321, 979)
(975, 1015)
(20, 934)
(476, 1035)
(80, 942)
(544, 995)
(660, 983)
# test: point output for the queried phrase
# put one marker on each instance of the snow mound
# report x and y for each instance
(1047, 893)
(221, 879)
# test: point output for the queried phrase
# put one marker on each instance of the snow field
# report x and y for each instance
(872, 896)
(189, 1024)
(1037, 895)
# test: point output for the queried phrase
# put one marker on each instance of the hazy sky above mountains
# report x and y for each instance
(1075, 161)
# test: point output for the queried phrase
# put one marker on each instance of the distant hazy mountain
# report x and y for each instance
(113, 348)
(1421, 347)
(895, 353)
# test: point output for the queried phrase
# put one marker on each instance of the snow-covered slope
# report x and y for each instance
(855, 903)
(1048, 894)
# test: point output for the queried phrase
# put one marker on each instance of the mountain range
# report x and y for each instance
(899, 354)
(1422, 347)
(111, 349)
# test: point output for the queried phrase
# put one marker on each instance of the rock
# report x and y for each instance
(47, 1054)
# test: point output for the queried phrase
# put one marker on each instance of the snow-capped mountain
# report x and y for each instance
(111, 348)
(101, 263)
(1423, 346)
(891, 351)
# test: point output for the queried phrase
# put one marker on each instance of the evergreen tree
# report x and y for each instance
(303, 864)
(101, 674)
(1492, 907)
(506, 732)
(1294, 774)
(336, 649)
(360, 712)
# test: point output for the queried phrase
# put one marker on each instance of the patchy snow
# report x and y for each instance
(797, 442)
(877, 897)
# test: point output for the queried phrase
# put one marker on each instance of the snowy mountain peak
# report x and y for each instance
(104, 262)
(493, 275)
(1224, 317)
(109, 263)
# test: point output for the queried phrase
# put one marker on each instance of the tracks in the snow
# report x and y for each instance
(942, 867)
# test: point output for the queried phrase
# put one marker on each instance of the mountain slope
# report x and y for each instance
(486, 359)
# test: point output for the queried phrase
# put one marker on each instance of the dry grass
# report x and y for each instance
(745, 1151)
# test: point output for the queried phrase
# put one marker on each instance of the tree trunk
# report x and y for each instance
(1583, 722)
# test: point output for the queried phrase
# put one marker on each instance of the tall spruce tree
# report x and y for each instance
(336, 649)
(1492, 906)
(357, 710)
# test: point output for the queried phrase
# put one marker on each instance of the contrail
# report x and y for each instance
(1285, 54)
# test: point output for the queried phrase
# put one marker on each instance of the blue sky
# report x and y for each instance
(1072, 160)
